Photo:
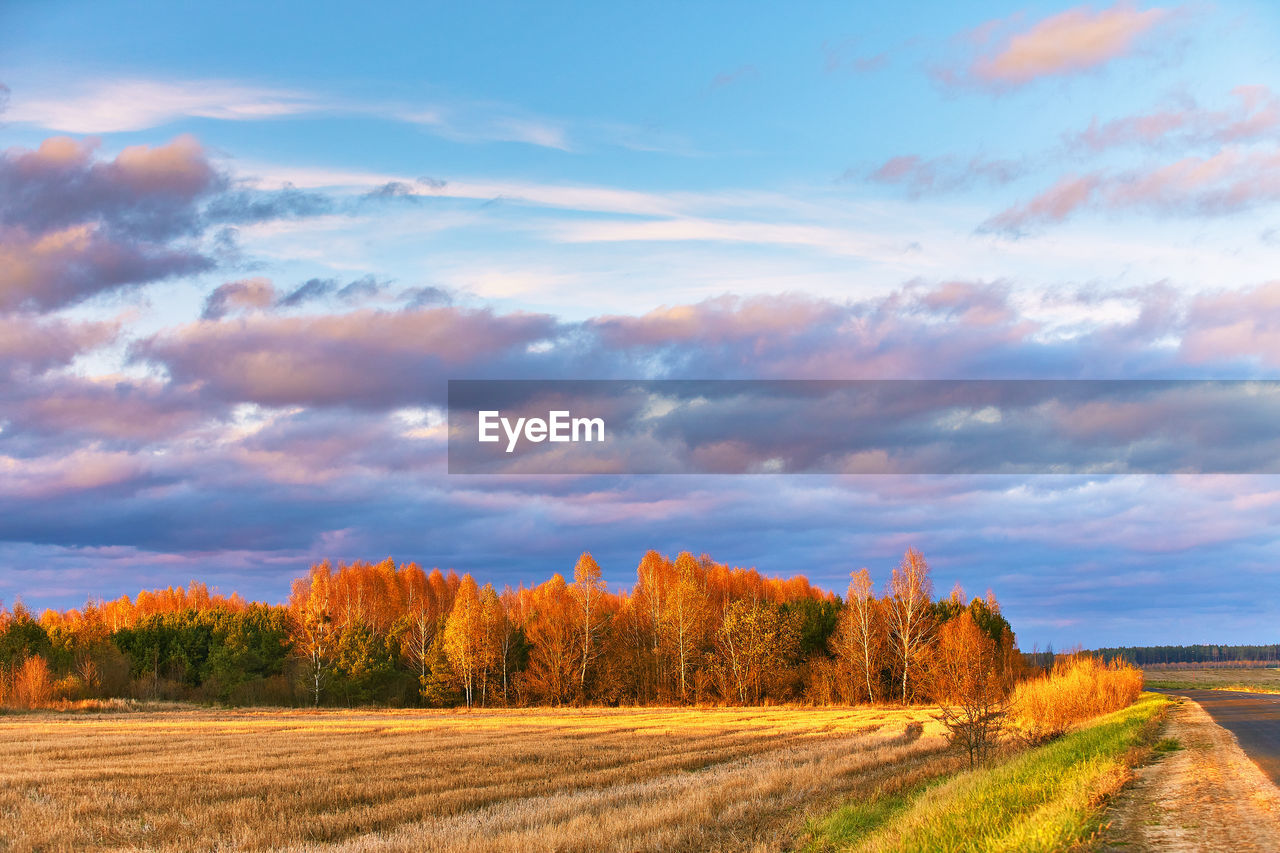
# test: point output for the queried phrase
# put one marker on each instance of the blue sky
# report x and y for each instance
(243, 248)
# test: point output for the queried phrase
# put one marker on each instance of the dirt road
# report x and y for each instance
(1206, 796)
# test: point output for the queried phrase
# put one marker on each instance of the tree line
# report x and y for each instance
(1206, 654)
(689, 631)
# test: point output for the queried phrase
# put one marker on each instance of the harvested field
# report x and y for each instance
(594, 779)
(1258, 680)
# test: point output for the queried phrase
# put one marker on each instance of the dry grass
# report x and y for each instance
(564, 780)
(1258, 680)
(1077, 689)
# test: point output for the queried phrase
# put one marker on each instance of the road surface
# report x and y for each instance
(1254, 718)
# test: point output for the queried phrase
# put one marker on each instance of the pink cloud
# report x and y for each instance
(1235, 325)
(360, 356)
(72, 226)
(80, 471)
(1053, 205)
(921, 176)
(1229, 181)
(1255, 115)
(716, 321)
(34, 346)
(42, 271)
(112, 408)
(1079, 39)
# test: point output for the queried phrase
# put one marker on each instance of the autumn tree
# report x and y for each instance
(966, 668)
(860, 637)
(464, 637)
(553, 633)
(754, 639)
(509, 638)
(315, 633)
(907, 611)
(588, 593)
(493, 619)
(417, 626)
(654, 579)
(685, 618)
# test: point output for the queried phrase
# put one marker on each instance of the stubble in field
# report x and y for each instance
(598, 779)
(1256, 679)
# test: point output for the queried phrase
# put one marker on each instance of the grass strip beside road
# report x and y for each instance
(1045, 798)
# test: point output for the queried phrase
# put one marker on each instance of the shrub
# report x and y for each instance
(32, 683)
(1077, 689)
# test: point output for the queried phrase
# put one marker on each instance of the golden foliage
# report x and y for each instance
(1078, 688)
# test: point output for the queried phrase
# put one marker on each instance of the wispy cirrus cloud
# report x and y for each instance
(1230, 181)
(114, 106)
(134, 104)
(1006, 55)
(1254, 114)
(922, 176)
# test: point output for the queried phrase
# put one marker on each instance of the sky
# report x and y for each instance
(243, 248)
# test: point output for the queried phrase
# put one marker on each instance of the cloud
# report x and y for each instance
(1255, 115)
(58, 413)
(309, 290)
(147, 192)
(921, 176)
(1053, 205)
(490, 123)
(377, 359)
(1077, 40)
(41, 272)
(1241, 325)
(126, 105)
(364, 358)
(243, 206)
(114, 106)
(29, 346)
(72, 226)
(359, 290)
(1230, 181)
(235, 295)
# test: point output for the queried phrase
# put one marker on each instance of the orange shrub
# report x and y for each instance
(1077, 689)
(32, 683)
